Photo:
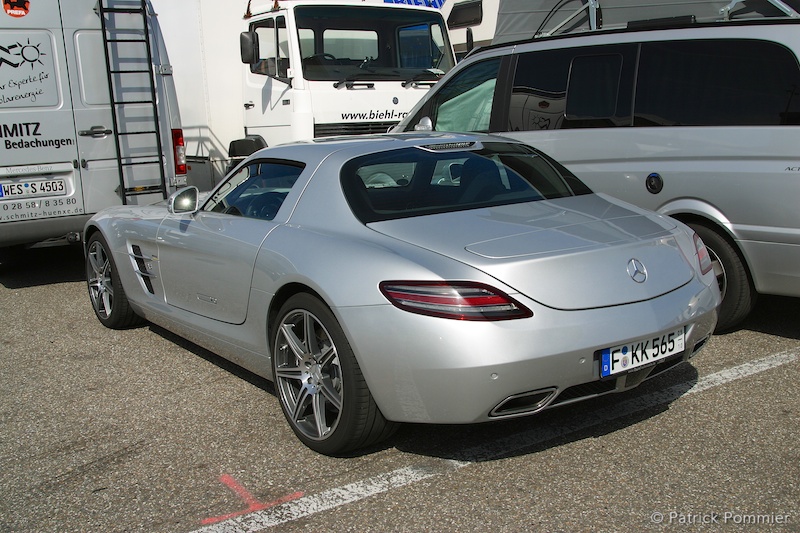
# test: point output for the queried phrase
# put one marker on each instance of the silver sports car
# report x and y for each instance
(434, 278)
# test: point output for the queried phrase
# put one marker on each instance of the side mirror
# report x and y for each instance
(424, 124)
(183, 201)
(248, 47)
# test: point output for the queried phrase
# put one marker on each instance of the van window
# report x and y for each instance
(593, 88)
(717, 83)
(465, 104)
(573, 88)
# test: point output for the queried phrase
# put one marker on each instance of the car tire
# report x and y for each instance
(321, 389)
(109, 302)
(735, 285)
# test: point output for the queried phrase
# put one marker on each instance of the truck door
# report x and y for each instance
(268, 93)
(38, 142)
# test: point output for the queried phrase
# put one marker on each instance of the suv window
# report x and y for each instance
(465, 104)
(679, 83)
(717, 83)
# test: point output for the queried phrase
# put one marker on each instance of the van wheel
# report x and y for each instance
(319, 383)
(735, 285)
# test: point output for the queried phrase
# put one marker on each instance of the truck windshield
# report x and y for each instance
(352, 43)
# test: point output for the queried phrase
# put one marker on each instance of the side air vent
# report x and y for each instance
(143, 267)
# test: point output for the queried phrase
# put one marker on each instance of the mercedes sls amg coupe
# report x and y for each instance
(427, 278)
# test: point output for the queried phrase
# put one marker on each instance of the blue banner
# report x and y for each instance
(427, 3)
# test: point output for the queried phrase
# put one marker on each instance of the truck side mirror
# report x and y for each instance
(248, 47)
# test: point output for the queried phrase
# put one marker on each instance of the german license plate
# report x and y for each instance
(29, 188)
(627, 357)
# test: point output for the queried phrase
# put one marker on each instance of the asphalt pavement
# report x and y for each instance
(140, 430)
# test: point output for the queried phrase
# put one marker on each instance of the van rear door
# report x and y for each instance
(94, 124)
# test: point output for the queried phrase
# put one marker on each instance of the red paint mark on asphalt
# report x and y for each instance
(253, 505)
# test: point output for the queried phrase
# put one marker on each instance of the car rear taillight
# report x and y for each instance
(455, 300)
(703, 257)
(179, 151)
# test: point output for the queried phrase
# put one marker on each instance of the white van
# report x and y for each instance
(68, 146)
(700, 121)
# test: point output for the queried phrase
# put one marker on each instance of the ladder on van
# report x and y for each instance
(132, 94)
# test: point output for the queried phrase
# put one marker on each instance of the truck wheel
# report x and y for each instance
(108, 298)
(318, 381)
(735, 285)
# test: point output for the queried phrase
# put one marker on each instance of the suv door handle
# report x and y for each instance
(95, 131)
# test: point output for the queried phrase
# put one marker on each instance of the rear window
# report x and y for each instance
(437, 179)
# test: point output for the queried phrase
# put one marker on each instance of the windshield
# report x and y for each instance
(353, 43)
(423, 181)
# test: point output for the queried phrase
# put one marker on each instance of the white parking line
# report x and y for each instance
(360, 490)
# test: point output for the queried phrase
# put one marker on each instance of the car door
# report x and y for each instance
(206, 259)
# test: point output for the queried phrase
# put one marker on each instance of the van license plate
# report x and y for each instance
(27, 189)
(627, 357)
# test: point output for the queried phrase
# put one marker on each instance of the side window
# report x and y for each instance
(256, 190)
(592, 91)
(539, 91)
(465, 103)
(717, 83)
(573, 88)
(273, 48)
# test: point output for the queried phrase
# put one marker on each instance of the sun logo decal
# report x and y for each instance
(29, 53)
(16, 8)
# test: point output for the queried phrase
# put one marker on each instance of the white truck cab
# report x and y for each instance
(317, 69)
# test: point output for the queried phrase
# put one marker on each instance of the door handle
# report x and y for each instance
(249, 105)
(95, 131)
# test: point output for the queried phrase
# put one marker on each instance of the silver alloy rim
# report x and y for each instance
(101, 290)
(719, 272)
(308, 374)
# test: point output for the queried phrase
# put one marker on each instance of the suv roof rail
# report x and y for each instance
(525, 19)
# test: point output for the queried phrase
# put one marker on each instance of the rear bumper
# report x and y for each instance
(37, 230)
(424, 369)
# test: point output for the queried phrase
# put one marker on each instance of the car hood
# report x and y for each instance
(570, 253)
